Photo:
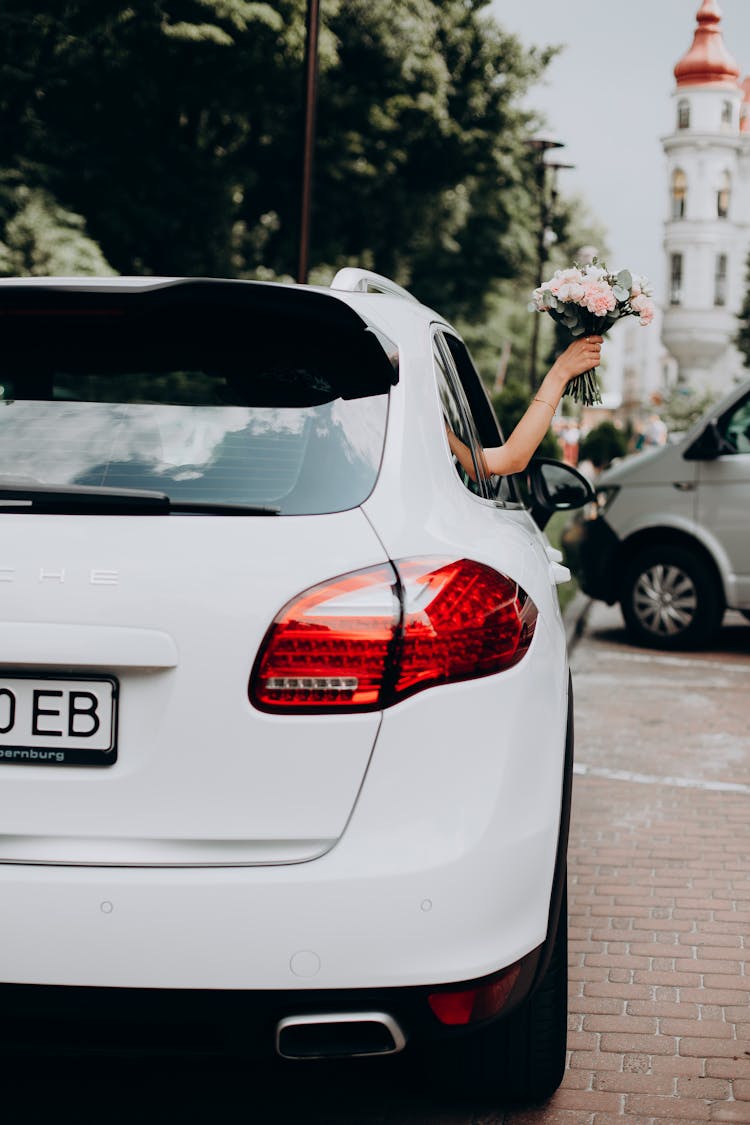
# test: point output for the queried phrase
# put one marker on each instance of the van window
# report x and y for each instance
(736, 427)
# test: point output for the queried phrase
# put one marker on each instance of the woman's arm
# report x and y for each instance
(514, 456)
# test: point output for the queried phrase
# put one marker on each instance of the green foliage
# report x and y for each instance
(511, 404)
(683, 408)
(41, 238)
(174, 127)
(602, 444)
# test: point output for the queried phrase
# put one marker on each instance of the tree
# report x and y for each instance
(603, 444)
(173, 127)
(433, 184)
(684, 407)
(43, 239)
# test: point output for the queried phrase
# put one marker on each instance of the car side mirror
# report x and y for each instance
(709, 444)
(555, 487)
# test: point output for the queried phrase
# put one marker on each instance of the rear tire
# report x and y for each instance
(670, 598)
(520, 1059)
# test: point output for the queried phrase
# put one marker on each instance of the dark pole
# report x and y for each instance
(311, 96)
(547, 200)
(541, 251)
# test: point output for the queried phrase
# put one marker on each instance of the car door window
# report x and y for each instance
(501, 489)
(456, 415)
(736, 427)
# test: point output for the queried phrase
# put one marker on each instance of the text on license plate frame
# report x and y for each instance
(53, 719)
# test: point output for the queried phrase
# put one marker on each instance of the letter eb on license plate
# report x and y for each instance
(60, 721)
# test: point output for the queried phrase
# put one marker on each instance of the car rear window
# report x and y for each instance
(251, 403)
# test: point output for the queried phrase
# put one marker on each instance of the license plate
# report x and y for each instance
(57, 721)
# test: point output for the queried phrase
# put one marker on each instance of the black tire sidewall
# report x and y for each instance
(518, 1059)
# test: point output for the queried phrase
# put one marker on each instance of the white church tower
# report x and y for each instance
(707, 233)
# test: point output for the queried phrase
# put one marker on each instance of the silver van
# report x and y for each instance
(669, 535)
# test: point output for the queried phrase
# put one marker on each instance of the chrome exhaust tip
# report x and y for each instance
(339, 1035)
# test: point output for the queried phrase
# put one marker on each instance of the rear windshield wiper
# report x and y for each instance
(89, 500)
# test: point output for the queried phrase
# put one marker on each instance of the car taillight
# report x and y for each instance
(365, 640)
(463, 1006)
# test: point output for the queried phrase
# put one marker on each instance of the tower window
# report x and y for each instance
(679, 194)
(675, 279)
(683, 114)
(723, 196)
(720, 281)
(726, 113)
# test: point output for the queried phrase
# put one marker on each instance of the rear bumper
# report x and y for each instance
(445, 872)
(74, 1020)
(591, 548)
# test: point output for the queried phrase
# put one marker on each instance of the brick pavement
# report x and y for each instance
(659, 1027)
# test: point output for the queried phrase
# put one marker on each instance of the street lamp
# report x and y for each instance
(547, 198)
(312, 27)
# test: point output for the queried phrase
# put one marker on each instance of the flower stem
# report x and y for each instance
(584, 389)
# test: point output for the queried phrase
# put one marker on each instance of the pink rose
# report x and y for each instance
(599, 298)
(571, 291)
(563, 279)
(644, 307)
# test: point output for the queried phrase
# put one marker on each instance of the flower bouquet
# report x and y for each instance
(587, 301)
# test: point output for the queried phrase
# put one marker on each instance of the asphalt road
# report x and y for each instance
(659, 918)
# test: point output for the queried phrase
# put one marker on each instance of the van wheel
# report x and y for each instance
(670, 598)
(520, 1059)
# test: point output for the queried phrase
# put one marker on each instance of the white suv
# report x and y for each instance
(285, 721)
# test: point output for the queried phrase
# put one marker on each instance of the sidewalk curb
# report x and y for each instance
(574, 619)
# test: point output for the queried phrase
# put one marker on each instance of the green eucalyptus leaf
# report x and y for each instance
(577, 330)
(620, 292)
(625, 279)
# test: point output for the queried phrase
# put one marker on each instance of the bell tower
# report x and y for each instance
(706, 231)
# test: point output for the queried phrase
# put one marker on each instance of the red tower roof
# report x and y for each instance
(708, 62)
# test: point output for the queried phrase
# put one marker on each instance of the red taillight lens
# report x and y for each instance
(472, 1004)
(365, 640)
(461, 620)
(329, 648)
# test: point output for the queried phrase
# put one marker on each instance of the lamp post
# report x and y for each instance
(312, 29)
(547, 198)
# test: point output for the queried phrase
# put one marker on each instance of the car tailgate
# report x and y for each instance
(171, 611)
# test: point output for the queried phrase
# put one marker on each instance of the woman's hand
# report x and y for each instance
(583, 354)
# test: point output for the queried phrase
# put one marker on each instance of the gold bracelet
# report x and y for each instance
(549, 404)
